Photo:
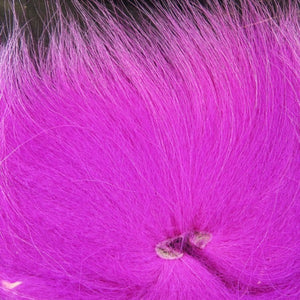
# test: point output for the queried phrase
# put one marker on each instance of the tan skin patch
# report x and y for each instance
(166, 251)
(199, 239)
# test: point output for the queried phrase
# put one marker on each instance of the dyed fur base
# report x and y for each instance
(125, 142)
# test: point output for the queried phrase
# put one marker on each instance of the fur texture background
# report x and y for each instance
(119, 134)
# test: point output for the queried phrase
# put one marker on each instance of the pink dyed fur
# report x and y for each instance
(124, 134)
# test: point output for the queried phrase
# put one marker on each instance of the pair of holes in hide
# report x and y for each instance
(174, 248)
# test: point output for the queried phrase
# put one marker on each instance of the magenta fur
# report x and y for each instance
(120, 134)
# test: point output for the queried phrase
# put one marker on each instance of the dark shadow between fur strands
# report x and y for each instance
(215, 269)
